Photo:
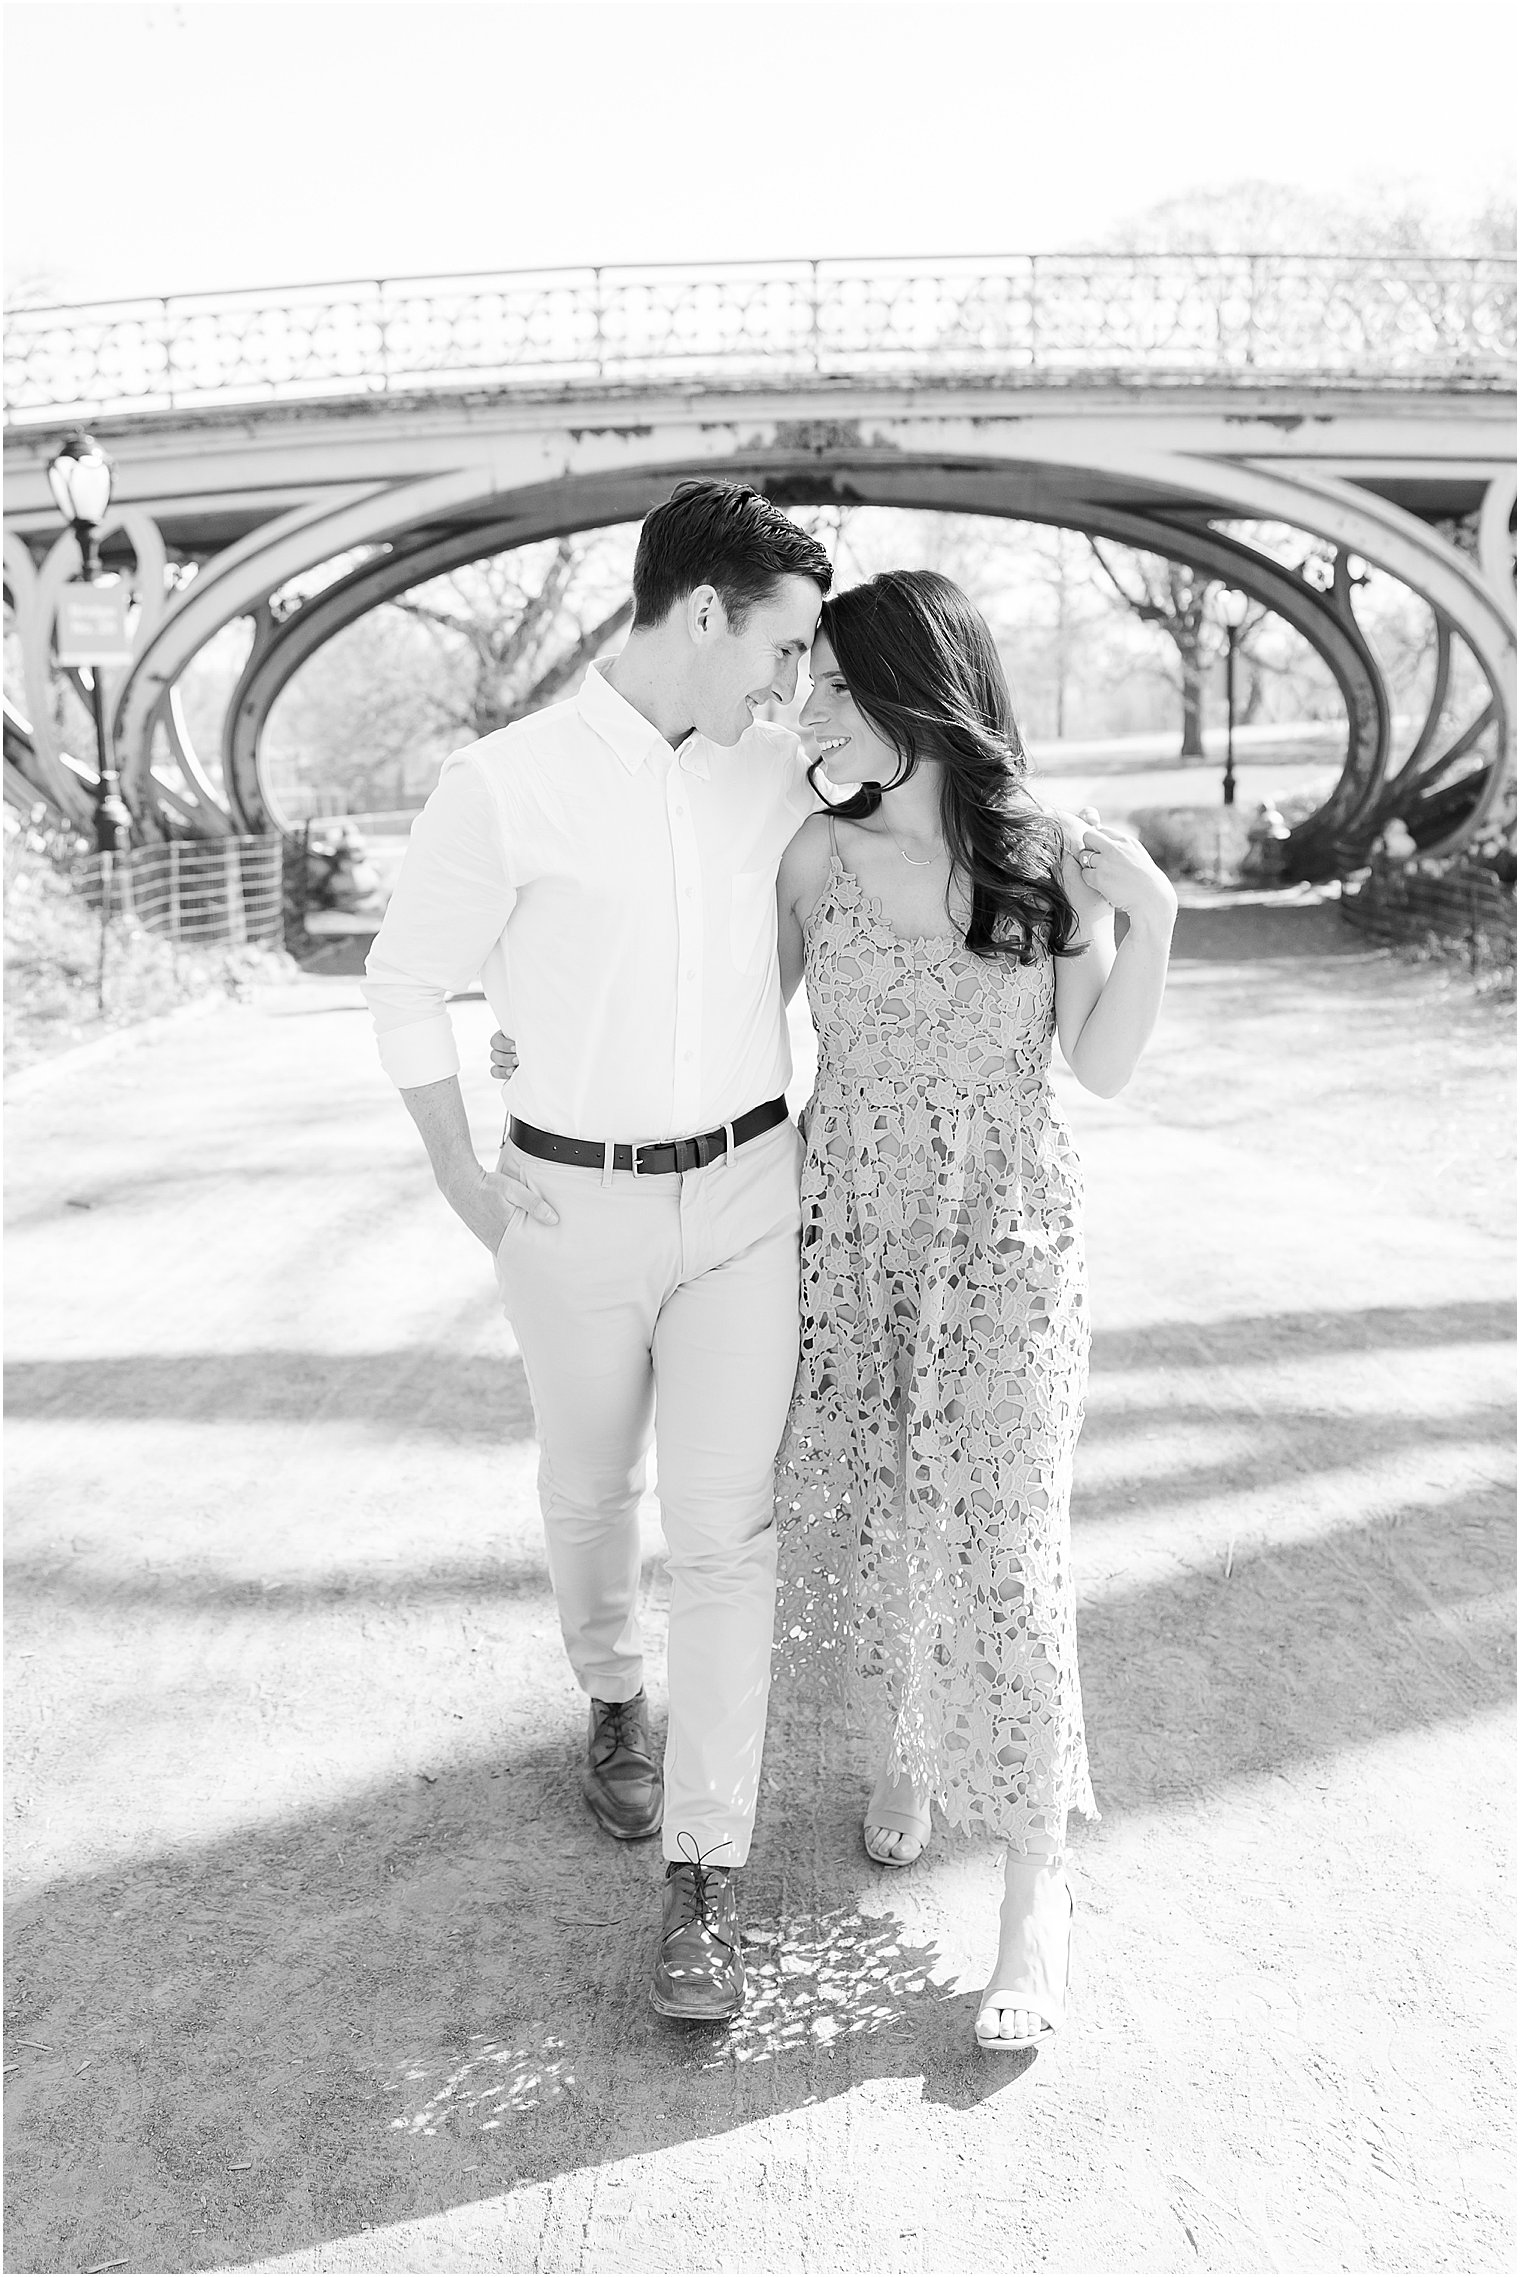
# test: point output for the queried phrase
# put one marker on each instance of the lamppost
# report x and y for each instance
(1233, 606)
(79, 477)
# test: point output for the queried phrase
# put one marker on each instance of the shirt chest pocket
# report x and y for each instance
(752, 920)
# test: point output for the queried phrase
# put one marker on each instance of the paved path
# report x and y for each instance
(318, 1961)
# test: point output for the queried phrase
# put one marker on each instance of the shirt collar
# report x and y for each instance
(632, 737)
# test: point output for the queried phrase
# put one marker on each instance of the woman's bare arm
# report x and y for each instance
(1108, 1000)
(799, 883)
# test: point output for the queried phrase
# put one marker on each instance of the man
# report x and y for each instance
(608, 867)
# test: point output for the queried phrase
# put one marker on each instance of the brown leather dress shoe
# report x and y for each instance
(620, 1778)
(699, 1966)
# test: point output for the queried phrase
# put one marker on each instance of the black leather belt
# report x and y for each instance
(653, 1161)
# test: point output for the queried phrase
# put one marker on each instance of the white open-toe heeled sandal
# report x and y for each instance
(1036, 1999)
(895, 1809)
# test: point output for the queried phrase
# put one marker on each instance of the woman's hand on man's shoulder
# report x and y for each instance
(1073, 826)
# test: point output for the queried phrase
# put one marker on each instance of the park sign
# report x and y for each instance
(92, 624)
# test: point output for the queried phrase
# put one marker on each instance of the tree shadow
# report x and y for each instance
(433, 1992)
(484, 1396)
(1265, 931)
(429, 1995)
(1318, 1334)
(1292, 1653)
(50, 1585)
(1289, 1442)
(440, 1390)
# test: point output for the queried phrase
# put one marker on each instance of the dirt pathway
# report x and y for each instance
(318, 1961)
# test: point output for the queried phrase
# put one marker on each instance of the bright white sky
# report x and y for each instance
(252, 142)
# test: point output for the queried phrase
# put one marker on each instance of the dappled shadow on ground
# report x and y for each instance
(433, 1992)
(1284, 1654)
(428, 1995)
(424, 1388)
(1292, 925)
(1281, 964)
(833, 1992)
(425, 1990)
(438, 1390)
(43, 1583)
(1280, 1444)
(1290, 1445)
(1317, 1335)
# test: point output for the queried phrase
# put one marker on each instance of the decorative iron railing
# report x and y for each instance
(1036, 318)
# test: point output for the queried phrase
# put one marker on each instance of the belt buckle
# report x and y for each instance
(685, 1154)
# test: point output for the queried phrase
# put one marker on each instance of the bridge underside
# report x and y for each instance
(1420, 485)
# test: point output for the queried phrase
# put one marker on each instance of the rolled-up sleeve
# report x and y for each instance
(450, 907)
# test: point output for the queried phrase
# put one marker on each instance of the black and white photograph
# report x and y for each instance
(759, 1060)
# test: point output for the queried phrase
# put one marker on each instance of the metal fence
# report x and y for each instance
(1261, 316)
(203, 893)
(1464, 904)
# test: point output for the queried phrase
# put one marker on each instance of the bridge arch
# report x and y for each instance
(1323, 619)
(1159, 402)
(1172, 507)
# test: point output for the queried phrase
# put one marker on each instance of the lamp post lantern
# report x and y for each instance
(79, 476)
(1232, 614)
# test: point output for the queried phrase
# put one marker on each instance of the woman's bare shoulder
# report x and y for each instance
(805, 865)
(809, 847)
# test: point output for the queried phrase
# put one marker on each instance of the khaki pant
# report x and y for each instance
(672, 1298)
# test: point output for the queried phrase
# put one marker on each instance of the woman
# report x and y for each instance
(947, 928)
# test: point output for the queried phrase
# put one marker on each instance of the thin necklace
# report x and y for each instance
(929, 859)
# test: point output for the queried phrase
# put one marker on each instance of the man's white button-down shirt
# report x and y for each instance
(617, 902)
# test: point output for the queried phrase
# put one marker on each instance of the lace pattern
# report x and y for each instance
(925, 1477)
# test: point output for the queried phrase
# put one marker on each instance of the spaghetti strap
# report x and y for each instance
(834, 841)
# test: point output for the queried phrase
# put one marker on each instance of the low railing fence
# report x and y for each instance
(1465, 904)
(202, 893)
(1369, 320)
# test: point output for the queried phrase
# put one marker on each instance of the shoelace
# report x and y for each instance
(613, 1722)
(694, 1892)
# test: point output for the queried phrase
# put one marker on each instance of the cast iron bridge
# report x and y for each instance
(375, 434)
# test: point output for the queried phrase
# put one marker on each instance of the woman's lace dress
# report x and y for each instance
(925, 1477)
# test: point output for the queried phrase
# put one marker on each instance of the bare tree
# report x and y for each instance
(370, 716)
(1173, 597)
(1255, 216)
(33, 288)
(521, 628)
(352, 724)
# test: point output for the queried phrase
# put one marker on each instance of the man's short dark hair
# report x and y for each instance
(725, 535)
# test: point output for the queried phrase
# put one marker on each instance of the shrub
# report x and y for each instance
(1194, 841)
(1210, 843)
(53, 953)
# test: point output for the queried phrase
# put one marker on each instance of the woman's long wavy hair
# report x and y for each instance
(920, 662)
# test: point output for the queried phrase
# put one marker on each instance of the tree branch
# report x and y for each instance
(585, 649)
(1144, 607)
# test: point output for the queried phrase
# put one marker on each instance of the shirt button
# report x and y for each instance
(686, 893)
(680, 814)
